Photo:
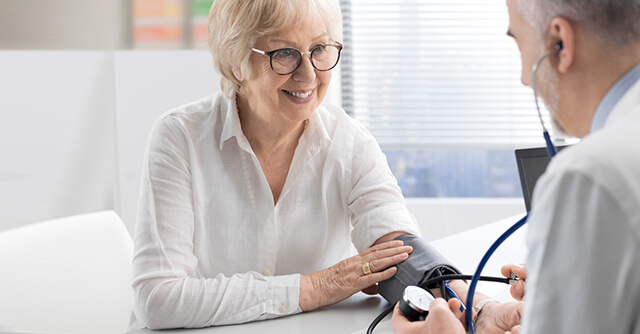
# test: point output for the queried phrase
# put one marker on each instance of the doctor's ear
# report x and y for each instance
(237, 73)
(562, 35)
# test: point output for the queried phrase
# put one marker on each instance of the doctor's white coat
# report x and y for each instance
(584, 233)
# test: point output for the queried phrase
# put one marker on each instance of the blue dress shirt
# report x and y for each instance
(612, 97)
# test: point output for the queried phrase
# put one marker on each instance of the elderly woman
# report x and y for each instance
(248, 197)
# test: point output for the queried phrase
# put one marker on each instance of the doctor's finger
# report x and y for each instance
(398, 313)
(517, 290)
(514, 330)
(401, 324)
(441, 309)
(518, 269)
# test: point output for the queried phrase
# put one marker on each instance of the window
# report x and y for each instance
(438, 84)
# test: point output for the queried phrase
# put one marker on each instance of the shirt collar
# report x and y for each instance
(316, 132)
(231, 124)
(612, 97)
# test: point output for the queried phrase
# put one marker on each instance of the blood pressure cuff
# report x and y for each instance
(424, 263)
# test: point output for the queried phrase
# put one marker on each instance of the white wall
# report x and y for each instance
(441, 217)
(56, 134)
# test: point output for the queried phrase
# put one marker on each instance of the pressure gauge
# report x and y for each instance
(415, 303)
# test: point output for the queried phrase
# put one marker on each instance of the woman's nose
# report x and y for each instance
(305, 72)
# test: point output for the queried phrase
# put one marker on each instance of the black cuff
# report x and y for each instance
(424, 262)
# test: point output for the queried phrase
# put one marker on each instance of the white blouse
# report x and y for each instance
(211, 248)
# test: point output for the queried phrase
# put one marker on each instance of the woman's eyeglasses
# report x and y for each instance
(286, 61)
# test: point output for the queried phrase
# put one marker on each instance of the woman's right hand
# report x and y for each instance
(517, 289)
(340, 281)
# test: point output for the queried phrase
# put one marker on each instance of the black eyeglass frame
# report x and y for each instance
(337, 45)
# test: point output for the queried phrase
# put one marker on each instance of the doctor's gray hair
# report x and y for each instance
(615, 22)
(235, 26)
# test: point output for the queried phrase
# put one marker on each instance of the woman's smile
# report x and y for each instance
(300, 96)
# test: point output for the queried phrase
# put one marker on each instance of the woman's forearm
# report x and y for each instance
(308, 293)
(162, 303)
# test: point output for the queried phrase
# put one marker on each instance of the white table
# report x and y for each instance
(356, 313)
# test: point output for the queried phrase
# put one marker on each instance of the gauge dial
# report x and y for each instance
(415, 303)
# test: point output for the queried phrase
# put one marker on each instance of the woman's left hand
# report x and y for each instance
(499, 317)
(360, 272)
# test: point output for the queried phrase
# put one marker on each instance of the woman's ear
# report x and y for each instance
(561, 31)
(237, 73)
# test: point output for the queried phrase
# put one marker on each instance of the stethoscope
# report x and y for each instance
(415, 301)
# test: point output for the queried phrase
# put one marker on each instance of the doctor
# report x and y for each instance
(584, 227)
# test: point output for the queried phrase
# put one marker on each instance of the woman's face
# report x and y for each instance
(293, 97)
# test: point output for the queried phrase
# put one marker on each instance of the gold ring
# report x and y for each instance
(366, 268)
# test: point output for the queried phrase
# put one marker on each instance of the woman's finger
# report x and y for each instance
(374, 278)
(386, 253)
(382, 246)
(381, 264)
(370, 290)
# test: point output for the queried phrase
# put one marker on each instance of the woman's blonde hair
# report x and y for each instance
(235, 25)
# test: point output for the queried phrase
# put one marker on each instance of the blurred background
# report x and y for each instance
(437, 83)
(103, 24)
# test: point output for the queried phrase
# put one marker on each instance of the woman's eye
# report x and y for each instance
(284, 54)
(320, 49)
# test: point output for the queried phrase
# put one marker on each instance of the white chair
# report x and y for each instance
(67, 275)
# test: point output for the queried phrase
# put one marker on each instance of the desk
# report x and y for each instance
(354, 314)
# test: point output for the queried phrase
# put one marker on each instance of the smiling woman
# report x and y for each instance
(252, 200)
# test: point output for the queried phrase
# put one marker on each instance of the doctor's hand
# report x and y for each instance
(360, 272)
(442, 319)
(498, 318)
(517, 289)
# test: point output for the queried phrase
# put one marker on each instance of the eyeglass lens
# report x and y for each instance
(323, 58)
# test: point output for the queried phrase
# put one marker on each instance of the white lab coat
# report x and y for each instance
(584, 233)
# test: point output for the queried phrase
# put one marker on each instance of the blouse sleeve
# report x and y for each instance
(375, 200)
(168, 292)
